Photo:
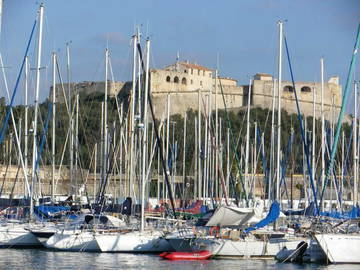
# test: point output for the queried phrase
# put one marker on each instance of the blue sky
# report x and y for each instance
(242, 32)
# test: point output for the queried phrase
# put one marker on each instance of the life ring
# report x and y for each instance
(215, 231)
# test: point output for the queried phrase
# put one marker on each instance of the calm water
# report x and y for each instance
(44, 259)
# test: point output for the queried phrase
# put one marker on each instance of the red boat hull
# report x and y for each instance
(196, 255)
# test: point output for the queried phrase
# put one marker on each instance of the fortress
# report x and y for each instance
(187, 85)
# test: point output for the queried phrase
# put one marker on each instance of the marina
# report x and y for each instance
(175, 167)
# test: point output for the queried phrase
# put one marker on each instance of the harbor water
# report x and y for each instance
(25, 259)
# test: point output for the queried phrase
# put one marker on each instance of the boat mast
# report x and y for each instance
(37, 90)
(105, 125)
(199, 147)
(217, 148)
(247, 141)
(132, 122)
(145, 136)
(322, 129)
(95, 171)
(71, 125)
(313, 137)
(167, 141)
(184, 151)
(53, 128)
(278, 168)
(355, 155)
(26, 129)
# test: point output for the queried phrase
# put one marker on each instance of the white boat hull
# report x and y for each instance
(247, 247)
(16, 235)
(134, 242)
(73, 240)
(340, 248)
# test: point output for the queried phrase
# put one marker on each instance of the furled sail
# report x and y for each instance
(273, 214)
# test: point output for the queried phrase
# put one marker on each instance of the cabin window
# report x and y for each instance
(176, 79)
(183, 81)
(305, 89)
(288, 88)
(168, 79)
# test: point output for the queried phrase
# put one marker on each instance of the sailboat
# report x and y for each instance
(17, 233)
(145, 240)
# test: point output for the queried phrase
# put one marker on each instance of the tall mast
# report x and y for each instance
(313, 137)
(132, 123)
(37, 90)
(355, 146)
(342, 166)
(217, 148)
(145, 136)
(71, 124)
(53, 128)
(199, 147)
(167, 138)
(26, 129)
(322, 128)
(278, 169)
(105, 152)
(247, 141)
(184, 150)
(95, 171)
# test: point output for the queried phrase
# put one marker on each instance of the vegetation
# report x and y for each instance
(90, 133)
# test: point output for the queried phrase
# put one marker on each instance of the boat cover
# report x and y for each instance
(49, 211)
(273, 214)
(230, 216)
(353, 213)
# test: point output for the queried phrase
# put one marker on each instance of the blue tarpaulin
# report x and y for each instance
(353, 213)
(271, 217)
(310, 211)
(48, 211)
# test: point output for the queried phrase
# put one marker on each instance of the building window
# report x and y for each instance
(288, 88)
(191, 81)
(201, 83)
(210, 74)
(168, 79)
(185, 71)
(305, 89)
(199, 72)
(203, 72)
(183, 81)
(192, 71)
(176, 80)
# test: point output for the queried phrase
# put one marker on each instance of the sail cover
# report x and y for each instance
(230, 216)
(271, 217)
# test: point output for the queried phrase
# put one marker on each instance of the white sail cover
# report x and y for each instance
(230, 216)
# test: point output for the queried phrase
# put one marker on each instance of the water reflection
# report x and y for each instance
(45, 259)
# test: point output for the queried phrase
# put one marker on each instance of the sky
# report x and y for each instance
(240, 37)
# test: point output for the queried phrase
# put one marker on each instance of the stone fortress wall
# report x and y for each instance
(185, 84)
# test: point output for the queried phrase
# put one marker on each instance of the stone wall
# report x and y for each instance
(185, 83)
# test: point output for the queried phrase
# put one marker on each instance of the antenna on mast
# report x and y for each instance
(177, 60)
